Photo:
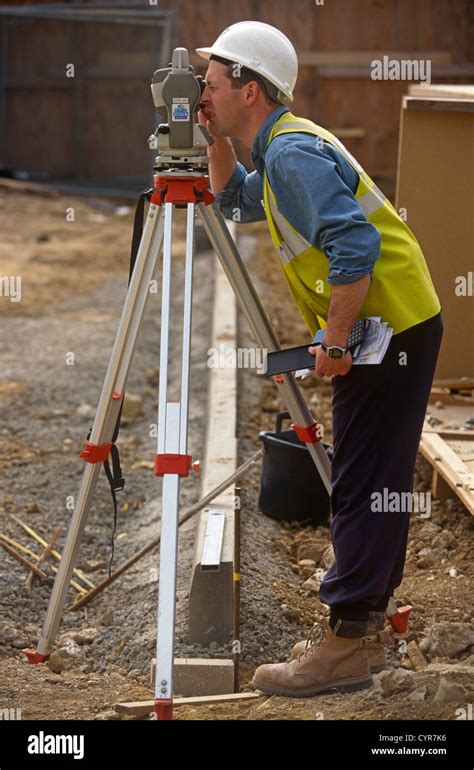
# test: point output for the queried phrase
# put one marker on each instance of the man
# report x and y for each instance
(345, 254)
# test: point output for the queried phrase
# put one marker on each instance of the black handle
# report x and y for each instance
(279, 419)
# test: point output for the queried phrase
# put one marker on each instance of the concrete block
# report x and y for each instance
(200, 676)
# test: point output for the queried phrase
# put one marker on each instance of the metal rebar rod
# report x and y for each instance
(184, 517)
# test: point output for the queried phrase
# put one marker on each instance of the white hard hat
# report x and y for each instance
(262, 49)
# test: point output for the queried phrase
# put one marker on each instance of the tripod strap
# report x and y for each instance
(114, 474)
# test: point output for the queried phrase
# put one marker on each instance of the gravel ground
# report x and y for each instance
(48, 406)
(74, 286)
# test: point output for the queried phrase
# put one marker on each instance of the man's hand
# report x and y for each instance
(346, 302)
(330, 367)
(203, 118)
(222, 158)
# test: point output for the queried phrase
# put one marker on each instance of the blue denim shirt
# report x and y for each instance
(314, 187)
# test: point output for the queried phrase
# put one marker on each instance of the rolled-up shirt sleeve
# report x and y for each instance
(241, 198)
(311, 187)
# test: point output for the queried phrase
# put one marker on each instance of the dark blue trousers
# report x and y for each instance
(378, 413)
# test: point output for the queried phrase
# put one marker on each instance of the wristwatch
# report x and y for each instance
(334, 351)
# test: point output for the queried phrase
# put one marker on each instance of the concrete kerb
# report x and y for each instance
(211, 603)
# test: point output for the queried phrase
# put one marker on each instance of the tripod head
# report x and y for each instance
(181, 142)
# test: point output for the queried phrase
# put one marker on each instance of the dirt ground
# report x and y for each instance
(73, 286)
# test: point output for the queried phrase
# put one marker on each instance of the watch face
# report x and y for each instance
(336, 352)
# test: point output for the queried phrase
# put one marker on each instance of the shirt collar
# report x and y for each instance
(261, 140)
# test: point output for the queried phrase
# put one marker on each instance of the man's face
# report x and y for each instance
(222, 103)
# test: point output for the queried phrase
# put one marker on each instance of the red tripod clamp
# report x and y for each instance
(95, 453)
(181, 190)
(173, 463)
(308, 434)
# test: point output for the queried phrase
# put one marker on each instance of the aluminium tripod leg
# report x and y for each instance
(264, 333)
(111, 398)
(172, 462)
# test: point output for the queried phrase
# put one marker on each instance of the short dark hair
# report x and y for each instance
(246, 76)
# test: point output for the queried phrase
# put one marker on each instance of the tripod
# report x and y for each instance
(181, 181)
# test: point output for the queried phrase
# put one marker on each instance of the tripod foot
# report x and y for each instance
(163, 708)
(34, 656)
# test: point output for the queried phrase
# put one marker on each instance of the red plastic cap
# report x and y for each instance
(34, 656)
(399, 620)
(163, 708)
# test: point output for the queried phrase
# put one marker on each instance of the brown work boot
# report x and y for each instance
(375, 649)
(333, 660)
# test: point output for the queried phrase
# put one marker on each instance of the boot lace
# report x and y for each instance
(315, 638)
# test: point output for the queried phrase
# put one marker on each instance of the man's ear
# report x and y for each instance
(252, 92)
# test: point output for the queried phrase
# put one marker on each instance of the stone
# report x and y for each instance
(70, 648)
(85, 635)
(429, 530)
(134, 674)
(107, 619)
(448, 692)
(307, 563)
(416, 656)
(85, 410)
(418, 696)
(55, 679)
(396, 681)
(311, 549)
(55, 663)
(8, 634)
(424, 644)
(328, 557)
(32, 508)
(290, 613)
(445, 539)
(430, 557)
(311, 585)
(19, 642)
(447, 639)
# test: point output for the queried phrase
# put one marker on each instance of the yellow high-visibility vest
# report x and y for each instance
(401, 290)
